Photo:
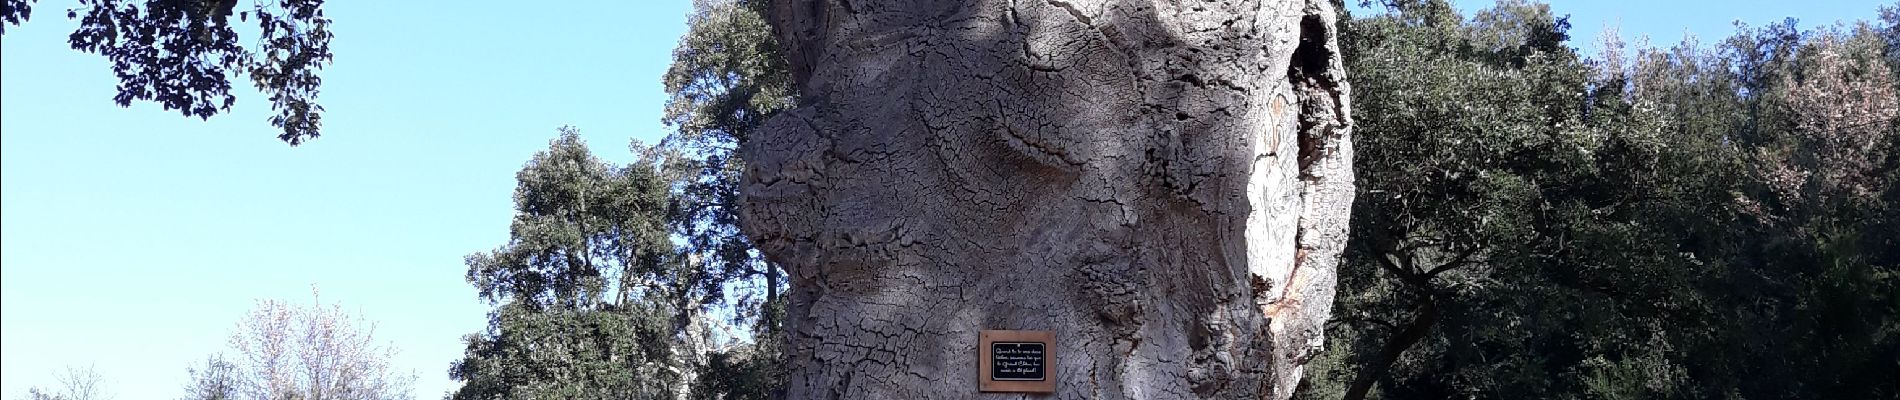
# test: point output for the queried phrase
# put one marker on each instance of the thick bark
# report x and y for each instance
(1165, 186)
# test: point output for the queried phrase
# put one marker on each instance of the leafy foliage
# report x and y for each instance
(588, 293)
(583, 230)
(13, 12)
(569, 354)
(727, 77)
(595, 298)
(1684, 223)
(751, 371)
(182, 54)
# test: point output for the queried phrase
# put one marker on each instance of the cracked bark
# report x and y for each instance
(1166, 186)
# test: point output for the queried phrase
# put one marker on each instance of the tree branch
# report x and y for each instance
(1462, 259)
(1414, 332)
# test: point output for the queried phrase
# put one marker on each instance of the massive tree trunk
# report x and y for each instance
(1165, 186)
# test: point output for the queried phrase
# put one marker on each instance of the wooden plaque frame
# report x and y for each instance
(987, 383)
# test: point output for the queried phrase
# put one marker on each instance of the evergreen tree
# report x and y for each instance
(586, 288)
(727, 77)
(1688, 222)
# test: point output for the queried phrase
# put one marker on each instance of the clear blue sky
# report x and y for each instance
(134, 239)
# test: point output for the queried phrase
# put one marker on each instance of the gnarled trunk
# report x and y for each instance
(1165, 186)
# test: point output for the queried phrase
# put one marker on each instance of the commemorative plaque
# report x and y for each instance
(1016, 361)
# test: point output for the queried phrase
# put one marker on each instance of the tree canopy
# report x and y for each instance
(585, 290)
(1686, 222)
(185, 54)
(604, 287)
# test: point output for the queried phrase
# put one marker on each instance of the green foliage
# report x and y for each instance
(727, 78)
(181, 54)
(609, 353)
(588, 293)
(751, 371)
(1470, 136)
(608, 267)
(584, 233)
(1680, 223)
(727, 75)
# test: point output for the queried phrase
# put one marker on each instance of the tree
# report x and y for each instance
(1467, 131)
(727, 78)
(590, 300)
(1165, 186)
(314, 351)
(745, 371)
(1684, 223)
(75, 383)
(182, 54)
(1841, 105)
(218, 379)
(1817, 277)
(1518, 221)
(587, 228)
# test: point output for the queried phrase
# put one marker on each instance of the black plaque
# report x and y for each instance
(1017, 361)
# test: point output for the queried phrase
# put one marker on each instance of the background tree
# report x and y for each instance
(217, 379)
(1464, 130)
(587, 291)
(727, 77)
(1685, 222)
(1812, 283)
(75, 383)
(310, 352)
(182, 54)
